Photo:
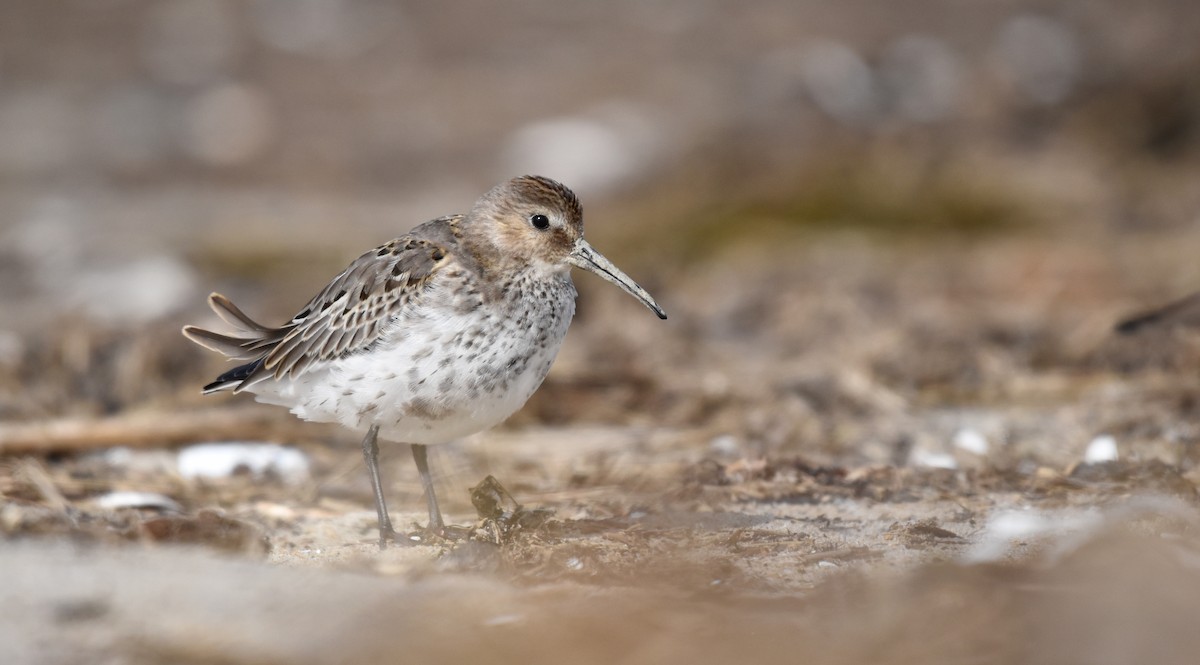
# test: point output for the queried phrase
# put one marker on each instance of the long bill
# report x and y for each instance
(583, 256)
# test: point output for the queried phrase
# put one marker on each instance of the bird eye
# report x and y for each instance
(540, 222)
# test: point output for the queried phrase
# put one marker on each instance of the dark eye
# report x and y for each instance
(540, 222)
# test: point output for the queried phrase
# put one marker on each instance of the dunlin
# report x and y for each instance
(435, 335)
(1184, 313)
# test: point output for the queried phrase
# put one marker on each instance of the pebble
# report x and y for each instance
(1101, 449)
(222, 460)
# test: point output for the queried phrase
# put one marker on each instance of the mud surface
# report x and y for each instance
(890, 468)
(890, 418)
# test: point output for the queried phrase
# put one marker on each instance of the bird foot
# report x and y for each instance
(429, 535)
(402, 539)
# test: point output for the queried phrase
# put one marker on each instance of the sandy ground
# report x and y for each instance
(868, 454)
(888, 420)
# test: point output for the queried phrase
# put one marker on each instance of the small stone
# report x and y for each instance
(1101, 449)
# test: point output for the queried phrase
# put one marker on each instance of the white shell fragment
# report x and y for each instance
(222, 460)
(933, 460)
(128, 499)
(971, 440)
(1007, 531)
(1101, 449)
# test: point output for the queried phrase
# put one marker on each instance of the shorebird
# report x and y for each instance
(1183, 313)
(427, 338)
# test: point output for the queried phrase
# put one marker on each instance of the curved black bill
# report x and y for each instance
(583, 256)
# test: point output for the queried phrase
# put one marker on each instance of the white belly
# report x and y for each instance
(432, 379)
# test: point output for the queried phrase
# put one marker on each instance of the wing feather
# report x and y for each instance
(346, 317)
(235, 317)
(233, 347)
(345, 320)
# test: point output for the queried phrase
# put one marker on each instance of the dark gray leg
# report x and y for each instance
(436, 526)
(371, 455)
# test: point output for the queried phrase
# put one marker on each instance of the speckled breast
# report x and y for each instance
(455, 365)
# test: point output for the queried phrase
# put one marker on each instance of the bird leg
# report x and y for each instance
(370, 447)
(436, 526)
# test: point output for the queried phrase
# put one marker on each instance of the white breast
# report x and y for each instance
(440, 373)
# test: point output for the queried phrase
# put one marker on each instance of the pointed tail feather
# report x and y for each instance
(253, 344)
(231, 314)
(238, 348)
(234, 378)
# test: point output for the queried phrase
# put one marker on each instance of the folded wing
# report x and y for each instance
(346, 317)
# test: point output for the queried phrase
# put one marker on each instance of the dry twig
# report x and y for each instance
(135, 430)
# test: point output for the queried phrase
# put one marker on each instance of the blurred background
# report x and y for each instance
(859, 203)
(893, 239)
(938, 194)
